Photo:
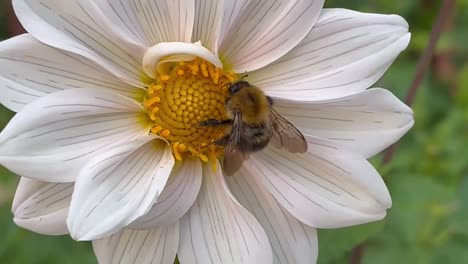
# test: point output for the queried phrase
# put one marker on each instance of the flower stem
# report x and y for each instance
(424, 62)
(14, 27)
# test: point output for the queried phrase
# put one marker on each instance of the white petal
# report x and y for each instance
(30, 69)
(158, 246)
(177, 197)
(325, 188)
(118, 186)
(157, 54)
(217, 229)
(365, 123)
(80, 27)
(52, 137)
(267, 30)
(42, 207)
(182, 13)
(208, 21)
(233, 10)
(346, 52)
(152, 21)
(292, 241)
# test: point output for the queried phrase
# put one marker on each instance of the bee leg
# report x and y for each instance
(214, 122)
(222, 141)
(270, 100)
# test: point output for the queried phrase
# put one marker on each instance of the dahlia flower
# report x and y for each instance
(109, 96)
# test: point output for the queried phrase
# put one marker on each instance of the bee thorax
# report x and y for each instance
(251, 103)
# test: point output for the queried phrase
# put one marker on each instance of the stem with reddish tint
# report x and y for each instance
(421, 69)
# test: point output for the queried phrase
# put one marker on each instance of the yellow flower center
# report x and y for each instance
(190, 93)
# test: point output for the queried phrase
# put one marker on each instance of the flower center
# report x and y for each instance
(190, 93)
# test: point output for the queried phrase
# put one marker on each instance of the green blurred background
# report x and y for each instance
(428, 177)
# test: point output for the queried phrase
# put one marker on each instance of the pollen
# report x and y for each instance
(177, 101)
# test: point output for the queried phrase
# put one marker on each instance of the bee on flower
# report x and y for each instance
(130, 115)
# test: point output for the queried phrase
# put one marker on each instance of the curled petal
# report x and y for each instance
(42, 207)
(177, 51)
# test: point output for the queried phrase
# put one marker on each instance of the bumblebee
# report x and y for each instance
(253, 124)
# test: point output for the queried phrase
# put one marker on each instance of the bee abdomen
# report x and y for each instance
(256, 137)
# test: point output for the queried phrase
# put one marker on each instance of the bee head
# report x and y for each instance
(235, 87)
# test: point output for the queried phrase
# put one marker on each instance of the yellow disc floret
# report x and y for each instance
(189, 93)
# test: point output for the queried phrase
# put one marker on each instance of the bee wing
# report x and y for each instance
(233, 157)
(286, 134)
(233, 161)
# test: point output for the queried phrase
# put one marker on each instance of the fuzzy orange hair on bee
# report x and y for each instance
(254, 124)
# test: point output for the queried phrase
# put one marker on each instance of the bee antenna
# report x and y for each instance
(244, 76)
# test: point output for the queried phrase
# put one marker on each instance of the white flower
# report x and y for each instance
(109, 95)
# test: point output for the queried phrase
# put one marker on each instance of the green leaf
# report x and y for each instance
(5, 116)
(419, 226)
(461, 216)
(334, 244)
(19, 246)
(390, 254)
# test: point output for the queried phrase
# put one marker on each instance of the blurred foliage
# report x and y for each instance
(428, 178)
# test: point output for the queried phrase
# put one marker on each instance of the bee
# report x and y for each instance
(253, 124)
